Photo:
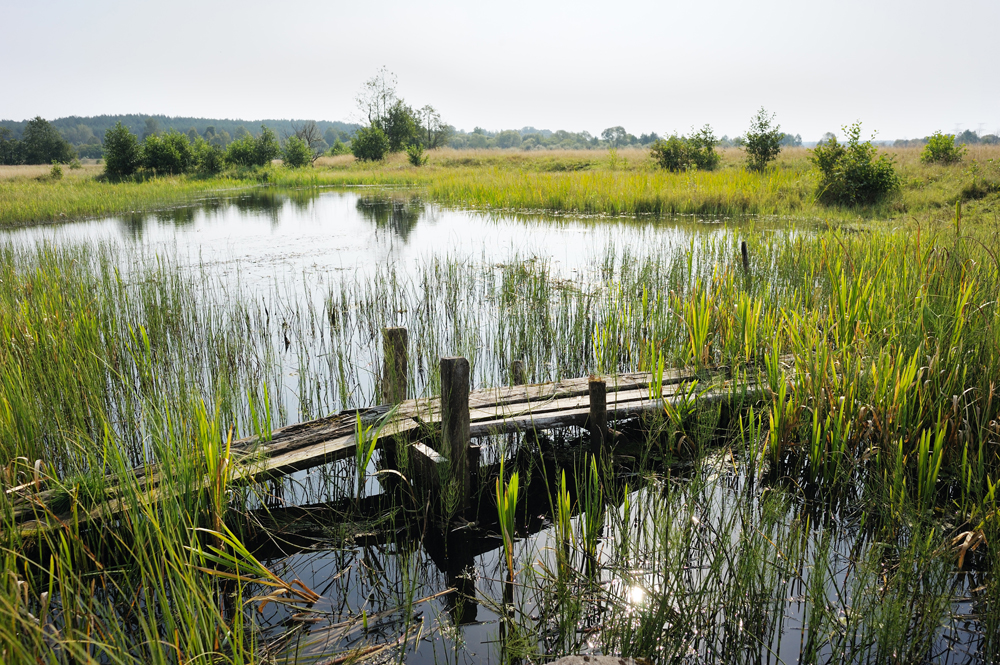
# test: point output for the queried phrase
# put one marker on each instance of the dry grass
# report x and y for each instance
(43, 170)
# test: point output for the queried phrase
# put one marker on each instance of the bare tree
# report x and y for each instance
(377, 96)
(309, 133)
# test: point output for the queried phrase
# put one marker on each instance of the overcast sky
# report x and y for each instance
(904, 68)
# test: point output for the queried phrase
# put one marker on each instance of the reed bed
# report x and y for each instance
(884, 420)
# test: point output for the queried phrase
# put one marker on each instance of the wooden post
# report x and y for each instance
(517, 373)
(598, 390)
(455, 424)
(394, 344)
(746, 257)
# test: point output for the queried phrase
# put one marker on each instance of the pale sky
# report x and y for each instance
(904, 68)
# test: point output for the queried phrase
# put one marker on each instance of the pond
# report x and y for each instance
(702, 549)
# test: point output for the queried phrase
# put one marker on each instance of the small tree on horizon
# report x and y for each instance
(121, 152)
(762, 142)
(296, 153)
(370, 144)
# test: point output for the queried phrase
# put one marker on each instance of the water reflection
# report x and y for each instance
(393, 212)
(397, 214)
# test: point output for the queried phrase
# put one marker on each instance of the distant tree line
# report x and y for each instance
(84, 134)
(968, 137)
(529, 138)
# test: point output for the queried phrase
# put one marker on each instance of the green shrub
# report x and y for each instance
(56, 173)
(208, 158)
(296, 153)
(415, 153)
(241, 152)
(762, 142)
(942, 149)
(338, 148)
(677, 153)
(253, 151)
(370, 144)
(167, 153)
(266, 147)
(121, 152)
(853, 174)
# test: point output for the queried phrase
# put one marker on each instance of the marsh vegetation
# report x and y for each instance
(848, 516)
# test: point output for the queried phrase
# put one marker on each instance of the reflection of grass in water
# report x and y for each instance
(712, 566)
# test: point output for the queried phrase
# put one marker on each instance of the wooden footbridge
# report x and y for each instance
(439, 430)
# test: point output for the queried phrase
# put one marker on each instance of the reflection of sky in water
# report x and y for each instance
(280, 237)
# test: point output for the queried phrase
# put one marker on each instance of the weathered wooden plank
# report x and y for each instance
(578, 416)
(491, 411)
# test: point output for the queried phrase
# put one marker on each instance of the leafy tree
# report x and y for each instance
(942, 149)
(433, 132)
(508, 139)
(853, 173)
(762, 142)
(370, 144)
(79, 134)
(400, 126)
(222, 140)
(208, 159)
(10, 148)
(152, 128)
(296, 153)
(968, 137)
(41, 143)
(791, 141)
(121, 152)
(240, 152)
(680, 152)
(338, 148)
(167, 153)
(250, 151)
(671, 153)
(192, 134)
(90, 151)
(616, 136)
(266, 146)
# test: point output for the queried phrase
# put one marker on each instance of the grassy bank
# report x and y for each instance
(625, 182)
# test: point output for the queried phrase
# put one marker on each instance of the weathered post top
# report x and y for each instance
(455, 435)
(394, 345)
